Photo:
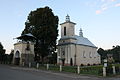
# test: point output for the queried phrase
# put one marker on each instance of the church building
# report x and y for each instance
(74, 49)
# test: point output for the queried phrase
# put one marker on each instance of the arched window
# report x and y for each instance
(17, 54)
(90, 54)
(84, 54)
(28, 46)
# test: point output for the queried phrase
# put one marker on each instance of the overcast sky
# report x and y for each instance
(99, 19)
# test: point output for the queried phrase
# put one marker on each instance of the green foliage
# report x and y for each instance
(53, 58)
(72, 69)
(2, 53)
(10, 58)
(92, 70)
(43, 24)
(54, 67)
(115, 52)
(102, 53)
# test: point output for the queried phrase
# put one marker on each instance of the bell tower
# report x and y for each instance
(68, 27)
(24, 50)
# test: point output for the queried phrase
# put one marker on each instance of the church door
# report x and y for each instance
(17, 58)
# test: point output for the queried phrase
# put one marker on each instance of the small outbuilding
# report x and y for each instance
(24, 50)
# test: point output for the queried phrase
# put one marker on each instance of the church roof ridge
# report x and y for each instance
(84, 41)
(80, 40)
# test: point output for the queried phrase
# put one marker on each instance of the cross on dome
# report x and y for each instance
(81, 33)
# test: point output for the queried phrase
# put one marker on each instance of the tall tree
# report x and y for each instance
(102, 53)
(2, 53)
(11, 56)
(116, 53)
(43, 24)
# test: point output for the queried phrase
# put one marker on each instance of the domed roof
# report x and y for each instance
(26, 37)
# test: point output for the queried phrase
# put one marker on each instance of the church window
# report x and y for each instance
(90, 55)
(84, 54)
(28, 46)
(64, 31)
(94, 55)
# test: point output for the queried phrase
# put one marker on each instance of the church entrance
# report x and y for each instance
(17, 58)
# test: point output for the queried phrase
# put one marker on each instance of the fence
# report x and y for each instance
(91, 70)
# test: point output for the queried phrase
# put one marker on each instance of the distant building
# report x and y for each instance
(23, 51)
(73, 49)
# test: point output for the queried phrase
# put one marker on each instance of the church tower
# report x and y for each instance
(67, 28)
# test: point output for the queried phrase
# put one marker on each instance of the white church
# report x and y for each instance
(74, 49)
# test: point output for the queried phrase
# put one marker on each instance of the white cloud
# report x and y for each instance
(102, 0)
(98, 11)
(104, 8)
(107, 0)
(103, 5)
(117, 5)
(113, 0)
(106, 4)
(101, 10)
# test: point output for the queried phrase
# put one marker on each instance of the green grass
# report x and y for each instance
(92, 70)
(89, 70)
(117, 65)
(72, 69)
(54, 68)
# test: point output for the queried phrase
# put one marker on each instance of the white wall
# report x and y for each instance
(91, 55)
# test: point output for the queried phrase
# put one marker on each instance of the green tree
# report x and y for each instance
(43, 24)
(102, 53)
(116, 53)
(10, 58)
(2, 53)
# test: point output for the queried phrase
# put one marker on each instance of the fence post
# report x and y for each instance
(29, 64)
(78, 69)
(60, 68)
(47, 66)
(37, 65)
(114, 72)
(104, 71)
